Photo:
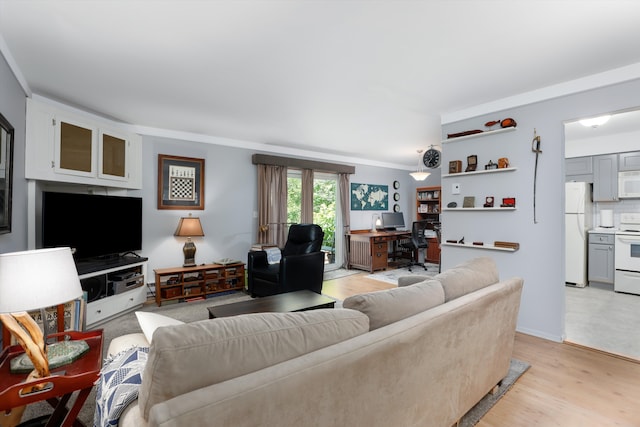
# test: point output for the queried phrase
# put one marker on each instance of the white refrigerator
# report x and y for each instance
(577, 220)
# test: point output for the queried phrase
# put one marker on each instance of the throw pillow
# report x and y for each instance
(118, 385)
(467, 277)
(149, 322)
(188, 357)
(391, 305)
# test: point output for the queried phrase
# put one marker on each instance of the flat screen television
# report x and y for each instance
(95, 226)
(392, 220)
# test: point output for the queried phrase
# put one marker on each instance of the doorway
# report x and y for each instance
(325, 210)
(595, 315)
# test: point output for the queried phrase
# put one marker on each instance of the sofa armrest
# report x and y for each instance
(256, 259)
(124, 342)
(132, 417)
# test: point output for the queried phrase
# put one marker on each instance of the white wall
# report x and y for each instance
(540, 260)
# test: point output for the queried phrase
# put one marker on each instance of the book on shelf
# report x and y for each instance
(73, 317)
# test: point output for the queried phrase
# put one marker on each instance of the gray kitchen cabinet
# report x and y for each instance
(601, 249)
(579, 169)
(629, 161)
(605, 178)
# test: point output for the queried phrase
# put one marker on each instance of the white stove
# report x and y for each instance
(627, 254)
(629, 223)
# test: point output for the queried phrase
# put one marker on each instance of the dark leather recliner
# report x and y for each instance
(301, 266)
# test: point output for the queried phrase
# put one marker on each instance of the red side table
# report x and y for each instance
(60, 385)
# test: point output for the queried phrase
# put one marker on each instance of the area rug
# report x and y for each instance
(391, 276)
(516, 370)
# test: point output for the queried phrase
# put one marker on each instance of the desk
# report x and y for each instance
(370, 250)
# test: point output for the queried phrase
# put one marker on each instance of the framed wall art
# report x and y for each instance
(369, 197)
(180, 182)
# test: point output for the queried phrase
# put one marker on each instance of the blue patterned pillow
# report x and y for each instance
(118, 385)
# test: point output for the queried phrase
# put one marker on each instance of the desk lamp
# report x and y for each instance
(32, 280)
(189, 227)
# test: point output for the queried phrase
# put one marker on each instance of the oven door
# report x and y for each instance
(627, 251)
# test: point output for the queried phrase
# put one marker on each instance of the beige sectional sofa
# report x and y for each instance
(422, 354)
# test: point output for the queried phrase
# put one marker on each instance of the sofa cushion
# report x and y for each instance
(391, 305)
(467, 277)
(194, 355)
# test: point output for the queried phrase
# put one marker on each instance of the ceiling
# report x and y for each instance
(360, 79)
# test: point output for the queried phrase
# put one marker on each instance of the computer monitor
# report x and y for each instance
(392, 220)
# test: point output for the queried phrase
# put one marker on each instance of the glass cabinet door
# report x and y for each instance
(113, 151)
(76, 148)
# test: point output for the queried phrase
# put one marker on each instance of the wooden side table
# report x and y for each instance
(59, 386)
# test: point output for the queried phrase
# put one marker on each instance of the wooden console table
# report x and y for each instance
(199, 281)
(369, 251)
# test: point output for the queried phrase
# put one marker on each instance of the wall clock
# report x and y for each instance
(396, 196)
(431, 158)
(396, 185)
(396, 208)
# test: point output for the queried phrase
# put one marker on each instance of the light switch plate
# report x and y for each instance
(455, 188)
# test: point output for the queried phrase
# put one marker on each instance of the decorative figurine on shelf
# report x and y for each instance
(490, 165)
(508, 202)
(488, 202)
(469, 202)
(472, 163)
(503, 162)
(455, 166)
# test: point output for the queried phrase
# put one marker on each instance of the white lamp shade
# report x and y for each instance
(420, 176)
(37, 279)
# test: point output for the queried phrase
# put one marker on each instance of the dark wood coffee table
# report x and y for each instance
(281, 303)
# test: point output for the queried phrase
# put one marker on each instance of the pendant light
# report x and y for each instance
(420, 174)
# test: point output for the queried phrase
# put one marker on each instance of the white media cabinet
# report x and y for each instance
(114, 297)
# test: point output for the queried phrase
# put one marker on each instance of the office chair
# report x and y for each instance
(418, 241)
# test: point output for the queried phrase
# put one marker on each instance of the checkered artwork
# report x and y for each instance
(182, 183)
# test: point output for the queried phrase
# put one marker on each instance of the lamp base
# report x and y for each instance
(189, 251)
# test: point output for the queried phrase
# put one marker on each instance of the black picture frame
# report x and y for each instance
(6, 174)
(180, 182)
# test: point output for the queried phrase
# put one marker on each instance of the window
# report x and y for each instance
(325, 208)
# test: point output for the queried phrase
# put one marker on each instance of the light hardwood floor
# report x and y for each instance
(566, 386)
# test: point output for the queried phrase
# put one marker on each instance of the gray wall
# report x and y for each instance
(13, 108)
(229, 219)
(540, 260)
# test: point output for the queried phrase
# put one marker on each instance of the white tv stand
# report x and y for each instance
(111, 302)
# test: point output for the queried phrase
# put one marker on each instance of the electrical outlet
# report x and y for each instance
(455, 188)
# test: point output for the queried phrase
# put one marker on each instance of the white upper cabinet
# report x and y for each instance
(64, 147)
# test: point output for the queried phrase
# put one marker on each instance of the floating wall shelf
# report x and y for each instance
(485, 247)
(479, 209)
(477, 135)
(449, 175)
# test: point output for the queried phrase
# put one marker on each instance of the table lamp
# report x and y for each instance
(33, 280)
(189, 227)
